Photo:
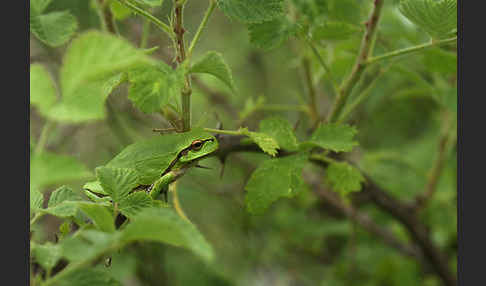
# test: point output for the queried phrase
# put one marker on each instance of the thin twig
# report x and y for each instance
(438, 165)
(209, 11)
(410, 50)
(359, 66)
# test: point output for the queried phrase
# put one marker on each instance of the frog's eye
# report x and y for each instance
(197, 145)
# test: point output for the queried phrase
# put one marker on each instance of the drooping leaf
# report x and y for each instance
(436, 17)
(47, 169)
(54, 28)
(213, 63)
(270, 34)
(134, 203)
(334, 31)
(281, 130)
(47, 255)
(274, 179)
(117, 182)
(251, 11)
(99, 214)
(344, 178)
(264, 141)
(164, 225)
(333, 136)
(42, 89)
(152, 86)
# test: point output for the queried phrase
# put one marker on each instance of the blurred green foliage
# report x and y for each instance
(300, 239)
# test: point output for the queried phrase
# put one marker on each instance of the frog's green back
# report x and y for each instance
(152, 156)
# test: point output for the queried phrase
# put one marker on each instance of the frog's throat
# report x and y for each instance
(178, 157)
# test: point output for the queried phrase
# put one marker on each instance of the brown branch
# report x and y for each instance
(360, 64)
(399, 210)
(364, 221)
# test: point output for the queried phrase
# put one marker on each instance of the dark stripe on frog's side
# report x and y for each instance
(179, 155)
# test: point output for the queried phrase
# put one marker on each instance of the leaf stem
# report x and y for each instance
(164, 27)
(359, 65)
(227, 132)
(41, 143)
(410, 50)
(207, 14)
(36, 217)
(145, 34)
(177, 204)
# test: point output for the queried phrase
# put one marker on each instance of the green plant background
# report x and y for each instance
(304, 240)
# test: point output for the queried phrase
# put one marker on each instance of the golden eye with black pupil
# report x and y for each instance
(197, 145)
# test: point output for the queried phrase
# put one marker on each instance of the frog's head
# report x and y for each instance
(199, 146)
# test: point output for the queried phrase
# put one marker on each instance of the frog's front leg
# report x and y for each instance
(162, 184)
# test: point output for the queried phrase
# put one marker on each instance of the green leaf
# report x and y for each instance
(273, 179)
(47, 255)
(251, 11)
(152, 86)
(265, 142)
(47, 169)
(61, 195)
(333, 136)
(213, 63)
(334, 31)
(63, 202)
(36, 200)
(100, 216)
(436, 17)
(164, 225)
(91, 63)
(89, 277)
(117, 182)
(281, 130)
(42, 89)
(53, 29)
(344, 178)
(270, 34)
(134, 203)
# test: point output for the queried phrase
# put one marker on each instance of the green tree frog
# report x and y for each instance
(160, 160)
